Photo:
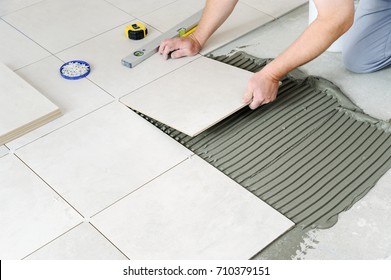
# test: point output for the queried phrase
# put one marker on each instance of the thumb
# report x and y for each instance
(248, 96)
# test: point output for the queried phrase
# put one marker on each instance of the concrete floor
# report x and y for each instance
(364, 231)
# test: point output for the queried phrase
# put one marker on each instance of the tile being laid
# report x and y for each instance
(75, 98)
(31, 214)
(22, 107)
(193, 211)
(57, 24)
(102, 157)
(16, 50)
(134, 8)
(105, 59)
(83, 242)
(193, 97)
(275, 8)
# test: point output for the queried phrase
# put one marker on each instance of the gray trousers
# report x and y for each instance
(368, 43)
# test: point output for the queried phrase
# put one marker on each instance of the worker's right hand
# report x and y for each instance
(179, 47)
(261, 89)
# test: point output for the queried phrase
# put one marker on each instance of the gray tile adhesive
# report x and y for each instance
(310, 154)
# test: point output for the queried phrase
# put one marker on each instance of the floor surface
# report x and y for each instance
(364, 231)
(48, 212)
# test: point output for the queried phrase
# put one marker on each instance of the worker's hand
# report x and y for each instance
(179, 47)
(261, 89)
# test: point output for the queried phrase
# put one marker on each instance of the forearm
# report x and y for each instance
(214, 15)
(318, 36)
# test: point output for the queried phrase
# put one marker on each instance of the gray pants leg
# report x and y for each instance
(368, 43)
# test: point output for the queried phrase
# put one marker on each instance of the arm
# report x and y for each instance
(334, 18)
(213, 16)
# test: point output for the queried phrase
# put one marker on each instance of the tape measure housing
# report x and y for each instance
(136, 31)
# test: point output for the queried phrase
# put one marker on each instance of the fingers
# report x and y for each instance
(260, 91)
(178, 47)
(256, 103)
(167, 47)
(248, 96)
(179, 53)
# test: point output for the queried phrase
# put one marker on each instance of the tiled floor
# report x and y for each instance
(100, 182)
(89, 185)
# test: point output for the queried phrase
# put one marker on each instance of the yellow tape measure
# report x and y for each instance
(136, 31)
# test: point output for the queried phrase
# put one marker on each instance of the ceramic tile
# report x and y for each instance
(9, 6)
(194, 97)
(22, 107)
(76, 98)
(134, 8)
(31, 214)
(81, 243)
(192, 211)
(109, 73)
(3, 151)
(275, 8)
(16, 50)
(163, 19)
(242, 20)
(100, 158)
(57, 24)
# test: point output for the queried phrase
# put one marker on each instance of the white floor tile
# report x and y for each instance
(9, 6)
(107, 70)
(31, 214)
(242, 20)
(16, 50)
(137, 9)
(57, 24)
(22, 107)
(193, 97)
(170, 15)
(191, 212)
(102, 157)
(275, 8)
(3, 151)
(75, 98)
(81, 243)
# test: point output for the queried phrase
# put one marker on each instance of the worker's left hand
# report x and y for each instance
(261, 89)
(179, 47)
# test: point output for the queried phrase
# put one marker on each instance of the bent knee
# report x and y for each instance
(360, 60)
(353, 61)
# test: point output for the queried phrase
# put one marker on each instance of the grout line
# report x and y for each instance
(109, 240)
(141, 186)
(60, 127)
(252, 7)
(50, 186)
(169, 72)
(51, 241)
(19, 9)
(93, 37)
